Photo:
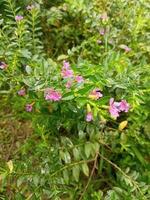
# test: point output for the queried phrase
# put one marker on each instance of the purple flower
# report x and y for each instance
(66, 70)
(18, 18)
(124, 106)
(22, 92)
(102, 31)
(89, 117)
(30, 7)
(3, 65)
(66, 65)
(53, 95)
(29, 107)
(95, 94)
(116, 107)
(67, 73)
(79, 79)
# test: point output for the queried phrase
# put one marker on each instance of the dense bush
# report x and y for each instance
(78, 71)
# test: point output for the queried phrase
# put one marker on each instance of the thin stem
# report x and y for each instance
(71, 165)
(89, 180)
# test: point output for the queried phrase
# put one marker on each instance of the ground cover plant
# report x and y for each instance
(74, 100)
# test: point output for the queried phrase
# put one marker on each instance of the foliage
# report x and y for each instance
(69, 155)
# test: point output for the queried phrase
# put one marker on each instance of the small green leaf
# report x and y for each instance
(66, 176)
(76, 172)
(76, 154)
(62, 57)
(95, 146)
(85, 169)
(68, 98)
(81, 134)
(88, 149)
(67, 157)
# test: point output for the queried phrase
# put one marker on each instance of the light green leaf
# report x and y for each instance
(88, 149)
(76, 154)
(85, 169)
(76, 172)
(66, 176)
(62, 57)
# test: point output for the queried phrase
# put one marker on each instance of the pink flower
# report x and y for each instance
(18, 18)
(51, 94)
(66, 65)
(68, 73)
(29, 107)
(125, 47)
(114, 108)
(102, 31)
(3, 65)
(22, 92)
(124, 106)
(30, 7)
(89, 117)
(66, 70)
(68, 84)
(79, 79)
(95, 94)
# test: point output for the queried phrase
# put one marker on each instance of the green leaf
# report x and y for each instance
(62, 57)
(68, 98)
(66, 176)
(85, 90)
(95, 146)
(76, 172)
(82, 134)
(26, 53)
(85, 169)
(76, 154)
(65, 156)
(88, 149)
(28, 69)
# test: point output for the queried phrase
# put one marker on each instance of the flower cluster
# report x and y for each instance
(53, 95)
(66, 70)
(18, 18)
(116, 107)
(67, 73)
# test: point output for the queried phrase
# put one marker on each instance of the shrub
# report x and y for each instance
(78, 70)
